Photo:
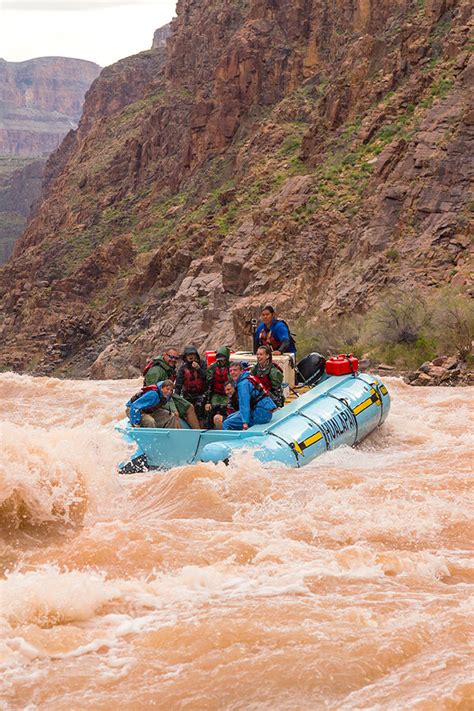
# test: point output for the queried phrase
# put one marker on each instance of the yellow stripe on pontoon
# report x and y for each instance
(363, 406)
(300, 446)
(374, 399)
(312, 440)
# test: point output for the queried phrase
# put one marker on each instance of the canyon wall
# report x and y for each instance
(40, 102)
(19, 191)
(308, 153)
(160, 37)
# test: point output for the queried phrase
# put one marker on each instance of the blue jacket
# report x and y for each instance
(149, 400)
(279, 332)
(246, 391)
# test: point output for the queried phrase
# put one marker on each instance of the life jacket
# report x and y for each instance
(265, 379)
(262, 391)
(146, 389)
(149, 364)
(171, 375)
(267, 338)
(220, 379)
(193, 382)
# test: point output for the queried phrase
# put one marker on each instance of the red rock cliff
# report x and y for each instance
(41, 99)
(287, 151)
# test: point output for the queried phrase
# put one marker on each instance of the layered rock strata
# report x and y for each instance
(160, 37)
(40, 101)
(308, 153)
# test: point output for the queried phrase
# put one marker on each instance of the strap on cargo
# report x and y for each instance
(347, 356)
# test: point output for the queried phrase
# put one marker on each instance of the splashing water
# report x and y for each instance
(346, 584)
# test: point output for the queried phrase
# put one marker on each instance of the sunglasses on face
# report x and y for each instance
(171, 357)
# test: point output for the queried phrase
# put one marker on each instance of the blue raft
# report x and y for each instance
(338, 410)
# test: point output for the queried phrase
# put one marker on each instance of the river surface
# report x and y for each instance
(346, 584)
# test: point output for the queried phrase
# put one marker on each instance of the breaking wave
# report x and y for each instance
(346, 584)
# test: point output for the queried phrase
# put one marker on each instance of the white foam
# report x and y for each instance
(48, 596)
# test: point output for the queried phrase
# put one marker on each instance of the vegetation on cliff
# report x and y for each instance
(403, 329)
(302, 153)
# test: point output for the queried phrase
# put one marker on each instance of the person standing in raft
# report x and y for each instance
(191, 380)
(274, 332)
(148, 407)
(217, 376)
(255, 405)
(269, 374)
(164, 368)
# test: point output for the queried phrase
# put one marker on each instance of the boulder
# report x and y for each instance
(443, 370)
(293, 193)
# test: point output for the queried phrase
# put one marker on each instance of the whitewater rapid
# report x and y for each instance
(346, 584)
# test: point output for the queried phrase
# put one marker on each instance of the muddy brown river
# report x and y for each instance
(346, 584)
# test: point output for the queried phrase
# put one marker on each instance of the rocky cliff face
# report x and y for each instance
(40, 101)
(19, 190)
(308, 153)
(160, 37)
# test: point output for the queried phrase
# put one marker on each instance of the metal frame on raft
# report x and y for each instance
(338, 410)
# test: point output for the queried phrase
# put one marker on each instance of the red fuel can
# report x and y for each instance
(342, 364)
(210, 357)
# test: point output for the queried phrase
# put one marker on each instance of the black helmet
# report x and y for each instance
(190, 350)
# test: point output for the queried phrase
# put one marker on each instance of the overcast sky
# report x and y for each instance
(102, 31)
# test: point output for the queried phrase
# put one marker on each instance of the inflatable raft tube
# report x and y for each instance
(339, 410)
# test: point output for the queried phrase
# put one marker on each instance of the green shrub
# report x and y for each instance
(393, 254)
(405, 355)
(453, 321)
(404, 329)
(387, 132)
(329, 337)
(401, 317)
(290, 145)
